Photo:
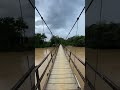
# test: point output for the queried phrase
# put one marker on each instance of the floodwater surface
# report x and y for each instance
(80, 53)
(13, 66)
(40, 53)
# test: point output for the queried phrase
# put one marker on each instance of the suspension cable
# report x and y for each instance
(20, 9)
(77, 29)
(98, 50)
(89, 6)
(75, 46)
(43, 26)
(44, 39)
(21, 15)
(75, 22)
(40, 16)
(79, 16)
(101, 10)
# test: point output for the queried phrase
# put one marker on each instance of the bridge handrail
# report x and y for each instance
(76, 57)
(39, 79)
(44, 59)
(103, 77)
(80, 74)
(28, 73)
(23, 78)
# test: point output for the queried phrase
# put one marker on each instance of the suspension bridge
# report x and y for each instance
(61, 76)
(59, 73)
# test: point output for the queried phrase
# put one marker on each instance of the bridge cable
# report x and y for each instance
(21, 15)
(75, 47)
(79, 16)
(97, 43)
(44, 39)
(77, 28)
(75, 23)
(34, 7)
(20, 9)
(89, 6)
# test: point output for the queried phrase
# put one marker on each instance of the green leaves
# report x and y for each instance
(39, 40)
(78, 41)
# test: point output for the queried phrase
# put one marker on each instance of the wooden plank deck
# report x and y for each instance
(62, 77)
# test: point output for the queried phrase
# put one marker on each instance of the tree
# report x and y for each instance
(11, 32)
(78, 41)
(39, 40)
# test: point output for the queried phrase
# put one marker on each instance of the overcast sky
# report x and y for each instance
(60, 15)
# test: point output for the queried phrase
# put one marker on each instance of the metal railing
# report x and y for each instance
(39, 78)
(23, 79)
(34, 69)
(85, 79)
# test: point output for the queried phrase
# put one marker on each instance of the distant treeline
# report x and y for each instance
(12, 36)
(78, 41)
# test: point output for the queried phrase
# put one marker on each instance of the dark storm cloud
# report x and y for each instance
(62, 12)
(60, 15)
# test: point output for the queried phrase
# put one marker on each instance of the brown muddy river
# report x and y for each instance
(13, 65)
(40, 53)
(80, 53)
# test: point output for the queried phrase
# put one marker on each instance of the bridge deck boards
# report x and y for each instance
(61, 77)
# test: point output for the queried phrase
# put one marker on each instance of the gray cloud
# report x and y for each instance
(61, 12)
(38, 22)
(60, 15)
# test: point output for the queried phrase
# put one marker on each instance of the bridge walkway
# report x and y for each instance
(62, 77)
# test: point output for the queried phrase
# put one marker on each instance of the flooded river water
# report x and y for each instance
(13, 65)
(40, 53)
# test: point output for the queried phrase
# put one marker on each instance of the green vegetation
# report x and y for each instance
(78, 41)
(39, 40)
(13, 37)
(97, 36)
(103, 36)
